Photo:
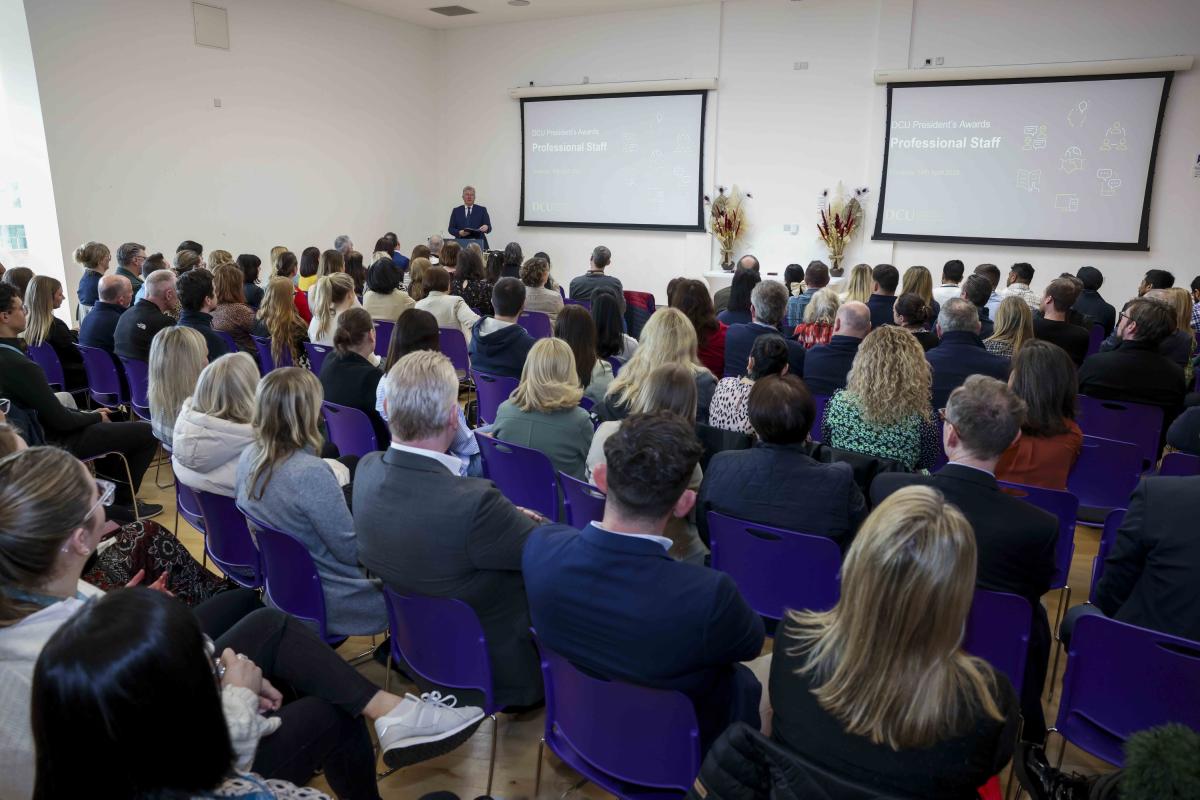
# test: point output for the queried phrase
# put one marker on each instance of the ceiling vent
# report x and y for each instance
(452, 11)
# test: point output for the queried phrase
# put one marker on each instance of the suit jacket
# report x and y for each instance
(467, 545)
(1152, 575)
(100, 325)
(827, 365)
(350, 380)
(620, 607)
(202, 323)
(959, 356)
(1093, 305)
(739, 340)
(1136, 373)
(137, 327)
(479, 216)
(986, 325)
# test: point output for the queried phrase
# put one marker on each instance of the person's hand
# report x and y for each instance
(103, 412)
(241, 671)
(484, 229)
(269, 698)
(533, 515)
(159, 585)
(462, 232)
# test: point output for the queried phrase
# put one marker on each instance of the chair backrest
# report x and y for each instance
(1112, 523)
(290, 576)
(536, 324)
(1065, 507)
(230, 342)
(1179, 464)
(266, 359)
(776, 569)
(104, 382)
(819, 401)
(998, 629)
(718, 440)
(45, 357)
(188, 506)
(583, 502)
(1106, 472)
(1122, 679)
(1095, 339)
(316, 355)
(1126, 422)
(137, 375)
(615, 363)
(350, 429)
(442, 640)
(585, 303)
(492, 391)
(383, 336)
(524, 475)
(454, 347)
(639, 306)
(614, 732)
(227, 539)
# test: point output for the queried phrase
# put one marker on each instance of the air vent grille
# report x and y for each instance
(453, 11)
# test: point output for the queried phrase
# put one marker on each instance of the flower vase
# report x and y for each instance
(835, 265)
(727, 258)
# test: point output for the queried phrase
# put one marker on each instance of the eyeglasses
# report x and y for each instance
(107, 490)
(5, 405)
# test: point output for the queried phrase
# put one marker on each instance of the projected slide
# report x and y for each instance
(613, 161)
(1059, 162)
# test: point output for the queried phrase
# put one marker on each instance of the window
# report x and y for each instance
(12, 237)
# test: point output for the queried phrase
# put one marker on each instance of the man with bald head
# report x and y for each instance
(99, 327)
(746, 263)
(148, 316)
(960, 353)
(826, 366)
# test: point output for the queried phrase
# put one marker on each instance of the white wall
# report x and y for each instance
(320, 132)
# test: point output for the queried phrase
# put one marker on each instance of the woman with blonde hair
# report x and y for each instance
(668, 338)
(276, 252)
(919, 281)
(42, 297)
(418, 268)
(819, 316)
(213, 427)
(330, 296)
(1013, 328)
(878, 690)
(280, 321)
(858, 285)
(218, 257)
(177, 357)
(232, 315)
(884, 409)
(94, 257)
(543, 412)
(331, 262)
(283, 483)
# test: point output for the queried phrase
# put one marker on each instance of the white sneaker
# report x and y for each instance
(424, 727)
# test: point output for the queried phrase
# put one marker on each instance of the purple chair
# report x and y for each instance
(137, 376)
(227, 540)
(104, 382)
(383, 336)
(316, 356)
(1124, 422)
(998, 629)
(1105, 474)
(1112, 523)
(582, 502)
(266, 359)
(290, 577)
(819, 401)
(442, 641)
(1095, 339)
(492, 390)
(1179, 464)
(230, 342)
(585, 303)
(615, 363)
(45, 357)
(536, 324)
(587, 403)
(776, 569)
(453, 345)
(632, 741)
(524, 475)
(1122, 679)
(350, 429)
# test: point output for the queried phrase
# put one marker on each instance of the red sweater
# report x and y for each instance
(712, 350)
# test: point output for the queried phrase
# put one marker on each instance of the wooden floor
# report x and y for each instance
(465, 771)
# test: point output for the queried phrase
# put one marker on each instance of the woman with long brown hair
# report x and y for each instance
(692, 298)
(576, 327)
(232, 315)
(1044, 376)
(278, 320)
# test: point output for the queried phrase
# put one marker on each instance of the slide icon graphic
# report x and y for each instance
(1072, 160)
(1109, 182)
(1078, 114)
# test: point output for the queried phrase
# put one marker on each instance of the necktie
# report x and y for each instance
(468, 213)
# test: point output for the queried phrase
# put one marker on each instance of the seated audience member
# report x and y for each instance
(952, 275)
(737, 303)
(1016, 540)
(350, 374)
(576, 327)
(19, 278)
(283, 483)
(287, 269)
(398, 258)
(356, 271)
(992, 274)
(307, 275)
(816, 278)
(728, 410)
(213, 427)
(668, 338)
(467, 545)
(1013, 328)
(534, 274)
(417, 270)
(450, 310)
(692, 298)
(384, 299)
(332, 262)
(43, 295)
(826, 366)
(470, 284)
(884, 409)
(1091, 304)
(218, 257)
(1136, 372)
(912, 313)
(250, 264)
(98, 328)
(448, 258)
(177, 356)
(878, 690)
(232, 315)
(187, 245)
(918, 280)
(329, 297)
(137, 326)
(544, 413)
(723, 296)
(746, 483)
(768, 302)
(587, 284)
(978, 291)
(1195, 294)
(278, 320)
(1183, 435)
(609, 599)
(820, 315)
(511, 261)
(85, 434)
(1180, 346)
(1156, 279)
(197, 299)
(961, 351)
(1044, 377)
(185, 261)
(94, 257)
(858, 285)
(498, 345)
(611, 339)
(1052, 325)
(1019, 278)
(434, 245)
(885, 278)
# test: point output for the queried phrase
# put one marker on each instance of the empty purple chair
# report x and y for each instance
(536, 324)
(316, 356)
(227, 540)
(524, 475)
(1095, 339)
(998, 630)
(492, 390)
(1125, 422)
(1112, 523)
(1122, 679)
(104, 381)
(350, 429)
(1179, 464)
(819, 401)
(1106, 473)
(383, 337)
(453, 345)
(632, 741)
(776, 569)
(137, 376)
(266, 359)
(44, 356)
(582, 502)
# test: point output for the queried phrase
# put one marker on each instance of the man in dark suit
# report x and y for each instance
(883, 295)
(768, 304)
(1091, 304)
(1015, 540)
(137, 326)
(827, 365)
(961, 351)
(424, 530)
(1052, 325)
(470, 221)
(611, 600)
(100, 325)
(197, 299)
(978, 290)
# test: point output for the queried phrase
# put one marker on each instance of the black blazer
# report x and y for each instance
(1091, 304)
(959, 356)
(350, 380)
(827, 365)
(63, 340)
(1152, 575)
(880, 306)
(739, 340)
(1069, 337)
(1136, 373)
(136, 328)
(99, 327)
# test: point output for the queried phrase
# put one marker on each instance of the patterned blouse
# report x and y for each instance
(811, 334)
(998, 347)
(236, 319)
(729, 409)
(913, 441)
(477, 294)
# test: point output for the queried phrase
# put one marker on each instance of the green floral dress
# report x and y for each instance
(912, 442)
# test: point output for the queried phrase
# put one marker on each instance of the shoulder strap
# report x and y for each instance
(14, 349)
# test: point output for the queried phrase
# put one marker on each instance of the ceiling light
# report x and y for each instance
(518, 2)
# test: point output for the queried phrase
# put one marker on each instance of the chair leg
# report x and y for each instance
(1057, 635)
(387, 678)
(492, 761)
(162, 456)
(537, 776)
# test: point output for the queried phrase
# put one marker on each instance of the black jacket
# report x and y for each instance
(1134, 372)
(350, 380)
(880, 306)
(1094, 306)
(201, 322)
(959, 356)
(100, 325)
(23, 382)
(500, 352)
(739, 341)
(136, 328)
(827, 365)
(1069, 337)
(63, 340)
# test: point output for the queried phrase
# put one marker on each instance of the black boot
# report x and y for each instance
(1044, 782)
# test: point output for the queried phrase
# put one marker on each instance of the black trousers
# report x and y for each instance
(134, 440)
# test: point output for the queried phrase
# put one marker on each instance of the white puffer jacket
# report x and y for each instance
(205, 450)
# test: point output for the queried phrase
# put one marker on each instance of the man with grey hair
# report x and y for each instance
(130, 257)
(594, 280)
(470, 221)
(768, 304)
(435, 248)
(98, 327)
(343, 245)
(467, 545)
(826, 366)
(1016, 540)
(148, 316)
(960, 352)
